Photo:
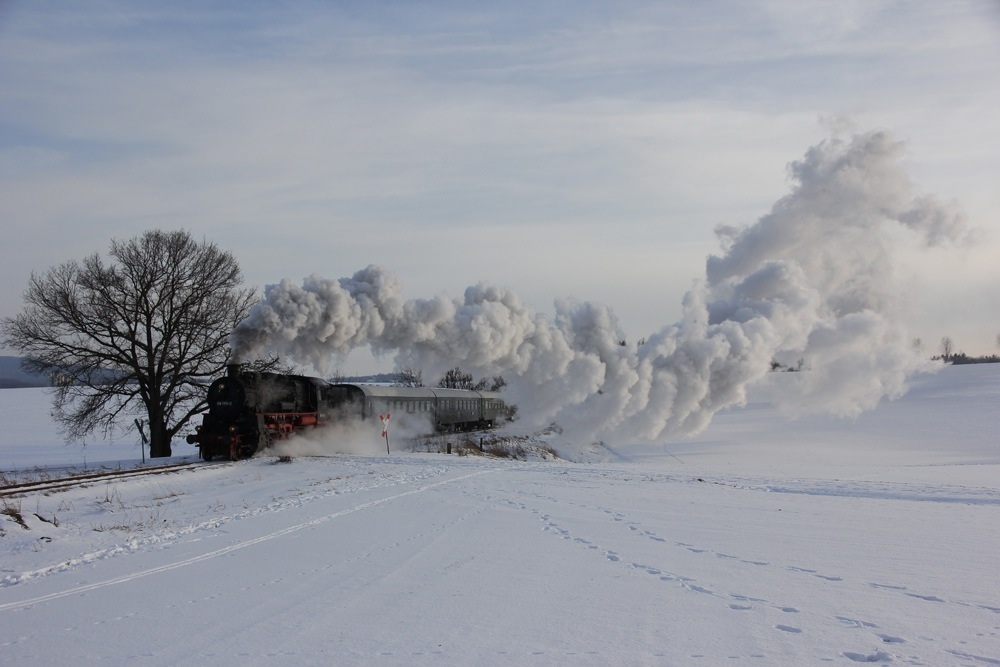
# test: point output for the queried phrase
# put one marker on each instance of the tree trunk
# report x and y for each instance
(159, 440)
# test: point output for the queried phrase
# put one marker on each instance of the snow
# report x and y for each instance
(761, 541)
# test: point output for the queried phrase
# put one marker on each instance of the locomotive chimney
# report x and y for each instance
(233, 370)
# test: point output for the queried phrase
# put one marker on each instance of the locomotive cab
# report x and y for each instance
(231, 427)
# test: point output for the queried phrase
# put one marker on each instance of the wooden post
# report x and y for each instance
(142, 434)
(385, 429)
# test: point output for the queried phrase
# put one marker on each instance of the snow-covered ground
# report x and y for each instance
(762, 541)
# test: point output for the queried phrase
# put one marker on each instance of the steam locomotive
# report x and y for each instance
(248, 411)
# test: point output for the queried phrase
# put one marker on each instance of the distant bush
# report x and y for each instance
(499, 446)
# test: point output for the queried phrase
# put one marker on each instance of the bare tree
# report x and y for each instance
(138, 335)
(456, 378)
(947, 348)
(411, 377)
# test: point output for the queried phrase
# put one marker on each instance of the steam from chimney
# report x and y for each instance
(811, 280)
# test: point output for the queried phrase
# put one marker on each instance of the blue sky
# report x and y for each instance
(563, 149)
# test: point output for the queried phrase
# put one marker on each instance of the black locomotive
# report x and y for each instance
(248, 411)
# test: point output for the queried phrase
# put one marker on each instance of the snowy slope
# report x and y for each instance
(762, 541)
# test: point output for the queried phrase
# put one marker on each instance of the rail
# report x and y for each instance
(61, 483)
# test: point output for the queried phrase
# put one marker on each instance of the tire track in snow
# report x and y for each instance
(233, 547)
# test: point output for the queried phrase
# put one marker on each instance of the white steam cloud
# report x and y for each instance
(811, 280)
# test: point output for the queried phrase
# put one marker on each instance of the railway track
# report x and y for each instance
(61, 483)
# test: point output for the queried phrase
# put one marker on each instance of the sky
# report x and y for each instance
(562, 150)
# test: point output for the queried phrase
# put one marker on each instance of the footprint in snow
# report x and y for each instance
(888, 587)
(698, 589)
(877, 656)
(744, 598)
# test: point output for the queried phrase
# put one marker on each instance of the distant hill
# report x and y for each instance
(13, 377)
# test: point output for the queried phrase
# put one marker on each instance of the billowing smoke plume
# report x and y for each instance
(810, 282)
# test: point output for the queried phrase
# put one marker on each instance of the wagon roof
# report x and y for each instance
(383, 391)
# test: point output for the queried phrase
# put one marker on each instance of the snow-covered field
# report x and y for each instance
(762, 541)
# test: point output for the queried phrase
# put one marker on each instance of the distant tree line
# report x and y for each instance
(949, 356)
(962, 358)
(455, 378)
